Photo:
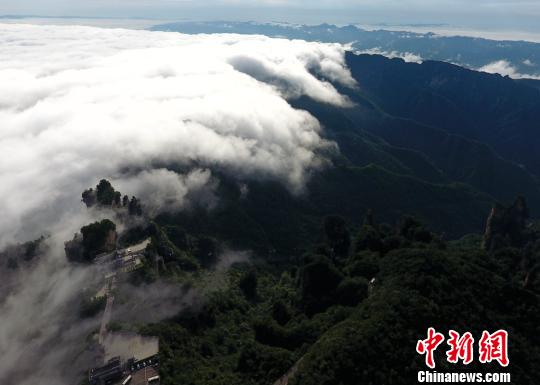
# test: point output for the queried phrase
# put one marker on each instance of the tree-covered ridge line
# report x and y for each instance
(106, 196)
(347, 311)
(351, 309)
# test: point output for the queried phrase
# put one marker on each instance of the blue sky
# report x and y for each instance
(486, 14)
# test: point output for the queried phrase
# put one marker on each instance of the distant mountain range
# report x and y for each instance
(514, 58)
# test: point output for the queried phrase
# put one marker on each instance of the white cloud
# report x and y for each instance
(505, 68)
(408, 57)
(164, 189)
(501, 67)
(80, 103)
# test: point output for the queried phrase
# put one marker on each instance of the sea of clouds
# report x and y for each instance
(78, 104)
(81, 103)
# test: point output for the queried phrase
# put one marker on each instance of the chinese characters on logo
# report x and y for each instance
(461, 348)
(429, 345)
(491, 347)
(494, 347)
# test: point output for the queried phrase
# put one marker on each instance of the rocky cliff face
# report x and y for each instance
(95, 238)
(506, 226)
(110, 241)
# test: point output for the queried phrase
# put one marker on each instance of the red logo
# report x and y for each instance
(429, 345)
(494, 347)
(461, 348)
(491, 347)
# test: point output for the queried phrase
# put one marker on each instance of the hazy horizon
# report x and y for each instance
(492, 15)
(443, 29)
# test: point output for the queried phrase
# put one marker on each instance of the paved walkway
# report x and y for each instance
(108, 309)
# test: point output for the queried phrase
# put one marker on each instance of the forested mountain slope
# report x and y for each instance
(392, 158)
(495, 110)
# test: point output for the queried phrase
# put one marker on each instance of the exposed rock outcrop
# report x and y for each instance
(95, 238)
(506, 225)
